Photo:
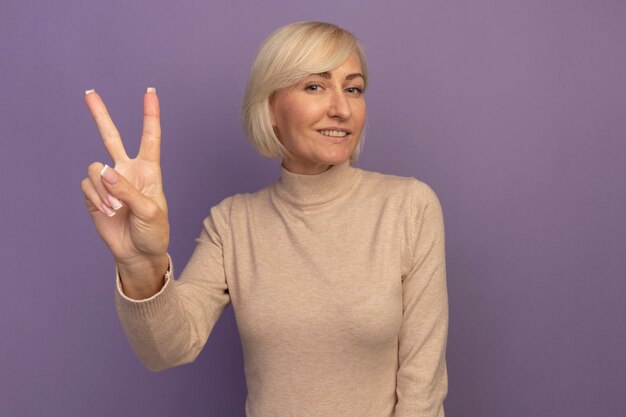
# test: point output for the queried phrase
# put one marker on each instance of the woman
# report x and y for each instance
(336, 275)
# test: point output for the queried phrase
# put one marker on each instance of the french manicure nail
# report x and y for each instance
(107, 210)
(89, 91)
(151, 90)
(114, 202)
(108, 174)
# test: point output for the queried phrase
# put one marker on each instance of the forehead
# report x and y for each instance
(349, 68)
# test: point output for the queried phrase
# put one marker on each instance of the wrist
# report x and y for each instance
(143, 278)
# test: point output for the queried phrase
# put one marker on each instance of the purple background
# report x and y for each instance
(513, 111)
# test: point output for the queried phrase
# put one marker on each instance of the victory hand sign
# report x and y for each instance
(126, 203)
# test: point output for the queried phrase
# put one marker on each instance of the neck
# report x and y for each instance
(305, 190)
(305, 169)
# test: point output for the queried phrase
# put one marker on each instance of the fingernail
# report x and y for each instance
(151, 90)
(114, 202)
(107, 210)
(108, 174)
(89, 91)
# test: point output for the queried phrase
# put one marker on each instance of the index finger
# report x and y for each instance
(110, 136)
(150, 148)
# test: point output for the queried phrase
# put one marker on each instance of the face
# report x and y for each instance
(320, 119)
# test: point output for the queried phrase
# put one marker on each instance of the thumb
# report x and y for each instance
(122, 189)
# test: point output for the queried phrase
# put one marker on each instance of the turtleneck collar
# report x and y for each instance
(308, 190)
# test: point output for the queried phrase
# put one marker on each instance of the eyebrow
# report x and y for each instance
(328, 75)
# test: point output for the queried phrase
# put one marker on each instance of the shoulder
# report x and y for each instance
(236, 203)
(232, 210)
(416, 192)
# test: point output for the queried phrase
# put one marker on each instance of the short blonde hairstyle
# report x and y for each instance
(288, 55)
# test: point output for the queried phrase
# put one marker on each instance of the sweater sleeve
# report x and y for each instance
(171, 327)
(422, 382)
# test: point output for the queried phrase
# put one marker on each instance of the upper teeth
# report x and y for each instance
(339, 133)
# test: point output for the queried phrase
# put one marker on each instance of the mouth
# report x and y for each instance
(334, 135)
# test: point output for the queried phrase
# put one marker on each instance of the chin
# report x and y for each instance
(336, 159)
(339, 156)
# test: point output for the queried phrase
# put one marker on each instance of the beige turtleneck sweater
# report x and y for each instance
(337, 282)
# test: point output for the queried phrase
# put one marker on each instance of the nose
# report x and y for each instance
(339, 106)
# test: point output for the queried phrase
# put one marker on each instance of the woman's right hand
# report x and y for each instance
(127, 203)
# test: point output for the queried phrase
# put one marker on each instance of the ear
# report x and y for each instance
(271, 101)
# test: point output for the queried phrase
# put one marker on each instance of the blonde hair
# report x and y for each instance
(288, 55)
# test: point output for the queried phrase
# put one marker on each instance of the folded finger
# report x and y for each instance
(109, 133)
(141, 206)
(150, 148)
(107, 200)
(93, 200)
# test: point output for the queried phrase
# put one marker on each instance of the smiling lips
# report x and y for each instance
(334, 133)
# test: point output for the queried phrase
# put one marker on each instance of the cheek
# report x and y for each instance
(362, 112)
(299, 116)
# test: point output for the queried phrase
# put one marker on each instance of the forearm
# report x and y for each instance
(170, 327)
(158, 328)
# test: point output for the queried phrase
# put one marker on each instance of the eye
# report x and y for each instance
(354, 91)
(312, 87)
